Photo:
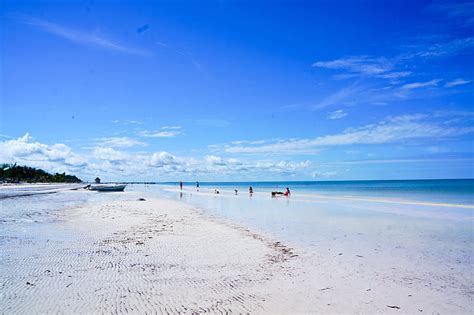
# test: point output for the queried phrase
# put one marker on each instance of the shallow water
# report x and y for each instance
(38, 215)
(443, 190)
(417, 236)
(412, 236)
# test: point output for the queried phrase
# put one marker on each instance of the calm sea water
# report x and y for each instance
(423, 223)
(443, 190)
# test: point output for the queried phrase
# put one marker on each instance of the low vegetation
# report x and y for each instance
(12, 173)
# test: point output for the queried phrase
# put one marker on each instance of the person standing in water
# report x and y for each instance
(250, 190)
(197, 186)
(181, 185)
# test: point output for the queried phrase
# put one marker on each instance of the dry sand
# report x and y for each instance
(162, 256)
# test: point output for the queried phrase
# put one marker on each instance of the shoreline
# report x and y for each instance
(24, 190)
(166, 256)
(345, 197)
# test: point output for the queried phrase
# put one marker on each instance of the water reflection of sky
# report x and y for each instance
(423, 234)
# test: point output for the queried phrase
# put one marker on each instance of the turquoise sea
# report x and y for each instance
(438, 190)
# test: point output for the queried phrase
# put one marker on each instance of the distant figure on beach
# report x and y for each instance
(197, 185)
(236, 191)
(216, 191)
(181, 185)
(250, 190)
(287, 193)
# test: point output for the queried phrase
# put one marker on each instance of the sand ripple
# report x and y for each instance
(137, 257)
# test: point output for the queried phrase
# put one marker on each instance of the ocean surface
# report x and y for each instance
(441, 190)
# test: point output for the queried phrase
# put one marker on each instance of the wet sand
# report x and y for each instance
(163, 256)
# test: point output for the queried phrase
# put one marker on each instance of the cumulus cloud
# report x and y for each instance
(117, 164)
(25, 151)
(109, 154)
(162, 159)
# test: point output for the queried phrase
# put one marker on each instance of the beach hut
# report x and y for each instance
(97, 180)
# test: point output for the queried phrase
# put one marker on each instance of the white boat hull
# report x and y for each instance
(107, 187)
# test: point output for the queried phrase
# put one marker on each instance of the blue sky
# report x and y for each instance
(239, 90)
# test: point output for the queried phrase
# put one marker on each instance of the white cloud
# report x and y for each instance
(81, 37)
(164, 132)
(112, 164)
(109, 154)
(417, 85)
(337, 114)
(399, 161)
(394, 69)
(116, 142)
(24, 151)
(344, 96)
(161, 134)
(133, 122)
(403, 128)
(164, 159)
(214, 160)
(440, 49)
(457, 82)
(362, 65)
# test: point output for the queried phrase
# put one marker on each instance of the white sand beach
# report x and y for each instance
(161, 256)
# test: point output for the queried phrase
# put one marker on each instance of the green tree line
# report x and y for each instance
(13, 173)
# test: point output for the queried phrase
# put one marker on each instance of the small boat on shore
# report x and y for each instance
(108, 187)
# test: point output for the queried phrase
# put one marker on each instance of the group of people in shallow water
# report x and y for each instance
(287, 193)
(275, 194)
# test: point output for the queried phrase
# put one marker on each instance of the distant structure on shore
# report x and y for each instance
(97, 180)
